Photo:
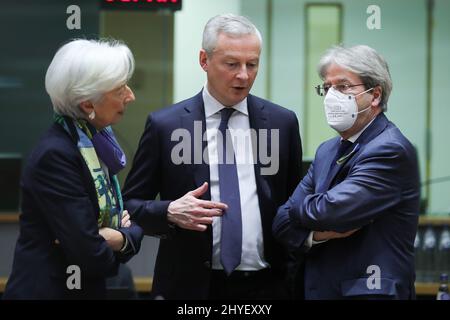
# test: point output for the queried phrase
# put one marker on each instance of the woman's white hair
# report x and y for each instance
(364, 61)
(229, 24)
(83, 70)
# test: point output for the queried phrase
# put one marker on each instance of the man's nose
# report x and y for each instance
(243, 73)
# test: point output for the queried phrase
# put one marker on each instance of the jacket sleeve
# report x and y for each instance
(60, 194)
(133, 235)
(372, 186)
(143, 185)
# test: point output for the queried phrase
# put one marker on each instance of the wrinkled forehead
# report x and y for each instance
(239, 42)
(337, 74)
(238, 49)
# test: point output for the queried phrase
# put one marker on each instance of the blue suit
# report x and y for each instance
(59, 202)
(377, 190)
(183, 264)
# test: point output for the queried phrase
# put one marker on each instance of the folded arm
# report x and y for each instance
(372, 187)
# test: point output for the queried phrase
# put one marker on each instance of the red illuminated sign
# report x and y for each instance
(140, 4)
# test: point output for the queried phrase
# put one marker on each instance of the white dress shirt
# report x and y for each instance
(252, 257)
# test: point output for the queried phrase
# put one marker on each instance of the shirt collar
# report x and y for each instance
(353, 138)
(213, 106)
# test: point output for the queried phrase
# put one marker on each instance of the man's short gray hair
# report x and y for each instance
(83, 70)
(229, 24)
(364, 61)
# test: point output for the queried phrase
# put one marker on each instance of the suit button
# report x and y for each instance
(207, 264)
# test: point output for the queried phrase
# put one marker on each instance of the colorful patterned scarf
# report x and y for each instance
(108, 190)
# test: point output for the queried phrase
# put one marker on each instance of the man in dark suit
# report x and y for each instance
(361, 192)
(215, 161)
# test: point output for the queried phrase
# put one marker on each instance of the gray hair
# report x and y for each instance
(363, 61)
(83, 70)
(229, 24)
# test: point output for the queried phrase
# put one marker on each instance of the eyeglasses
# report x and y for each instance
(323, 89)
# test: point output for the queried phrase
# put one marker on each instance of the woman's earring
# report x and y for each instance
(92, 115)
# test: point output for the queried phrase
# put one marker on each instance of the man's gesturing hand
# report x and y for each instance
(192, 213)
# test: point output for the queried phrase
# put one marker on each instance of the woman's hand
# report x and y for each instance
(126, 222)
(113, 238)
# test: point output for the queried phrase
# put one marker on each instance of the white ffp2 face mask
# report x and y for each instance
(341, 109)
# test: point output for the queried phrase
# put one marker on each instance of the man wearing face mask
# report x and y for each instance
(354, 215)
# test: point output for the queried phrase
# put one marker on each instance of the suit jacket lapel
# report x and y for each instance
(259, 119)
(340, 163)
(375, 128)
(194, 121)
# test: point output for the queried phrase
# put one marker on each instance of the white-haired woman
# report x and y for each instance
(73, 230)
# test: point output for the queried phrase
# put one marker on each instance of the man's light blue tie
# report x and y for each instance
(231, 234)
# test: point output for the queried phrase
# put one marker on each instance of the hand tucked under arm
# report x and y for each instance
(328, 235)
